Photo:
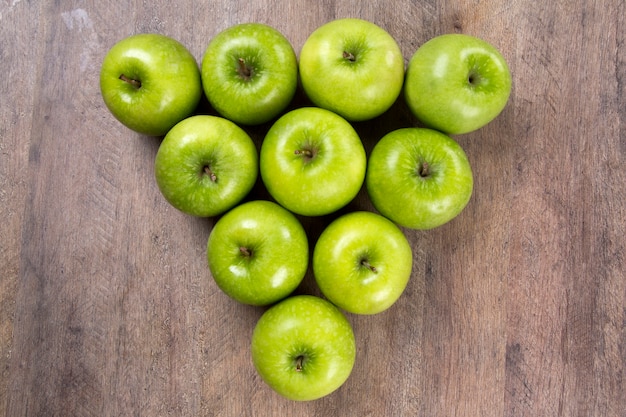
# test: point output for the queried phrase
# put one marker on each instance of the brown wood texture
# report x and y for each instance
(515, 308)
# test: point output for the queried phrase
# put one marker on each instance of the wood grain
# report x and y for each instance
(19, 62)
(516, 308)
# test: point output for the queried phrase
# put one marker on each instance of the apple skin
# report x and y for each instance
(362, 262)
(352, 67)
(206, 165)
(419, 178)
(312, 161)
(171, 85)
(457, 83)
(303, 348)
(249, 73)
(258, 253)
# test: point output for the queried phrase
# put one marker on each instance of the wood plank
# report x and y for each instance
(559, 311)
(19, 64)
(516, 308)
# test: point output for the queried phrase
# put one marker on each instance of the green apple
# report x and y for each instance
(303, 348)
(352, 67)
(258, 253)
(249, 73)
(206, 165)
(457, 83)
(312, 161)
(150, 82)
(362, 262)
(419, 178)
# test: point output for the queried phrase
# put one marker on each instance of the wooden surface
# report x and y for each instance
(516, 308)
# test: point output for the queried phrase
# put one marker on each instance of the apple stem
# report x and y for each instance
(244, 70)
(131, 81)
(368, 265)
(424, 169)
(211, 174)
(473, 79)
(299, 361)
(349, 56)
(245, 251)
(304, 152)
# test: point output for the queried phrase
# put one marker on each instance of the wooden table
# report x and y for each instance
(515, 308)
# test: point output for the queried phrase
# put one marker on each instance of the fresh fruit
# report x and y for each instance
(362, 262)
(249, 73)
(312, 161)
(352, 67)
(457, 83)
(303, 348)
(206, 165)
(419, 178)
(150, 82)
(258, 253)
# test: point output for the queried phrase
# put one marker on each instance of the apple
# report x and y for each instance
(150, 82)
(457, 83)
(303, 348)
(258, 253)
(362, 262)
(352, 67)
(312, 161)
(419, 178)
(249, 73)
(206, 165)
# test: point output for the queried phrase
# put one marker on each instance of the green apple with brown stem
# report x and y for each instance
(362, 262)
(150, 82)
(457, 83)
(206, 165)
(312, 161)
(352, 67)
(258, 253)
(303, 348)
(419, 178)
(249, 73)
